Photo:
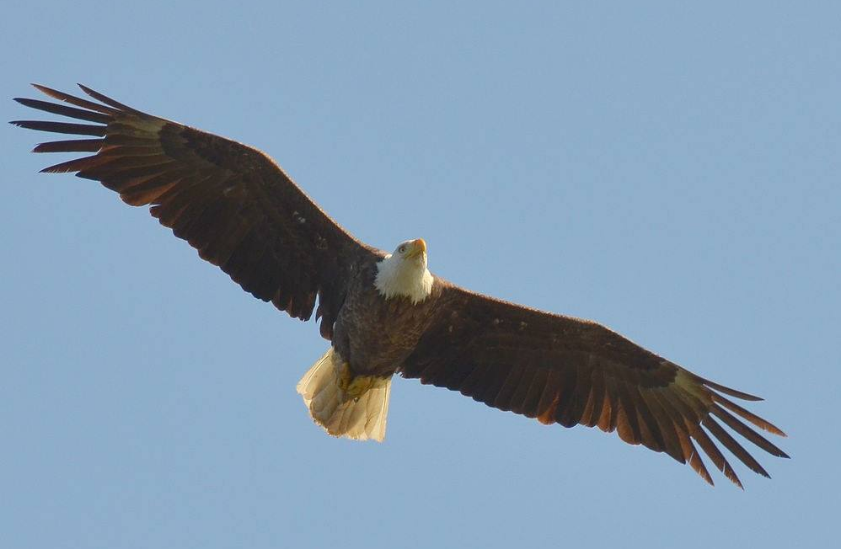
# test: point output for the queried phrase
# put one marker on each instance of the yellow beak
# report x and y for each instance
(418, 248)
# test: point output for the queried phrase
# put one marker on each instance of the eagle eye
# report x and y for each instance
(402, 248)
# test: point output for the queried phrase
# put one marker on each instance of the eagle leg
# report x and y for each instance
(345, 377)
(359, 386)
(353, 386)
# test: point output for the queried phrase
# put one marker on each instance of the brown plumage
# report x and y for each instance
(564, 370)
(243, 213)
(229, 201)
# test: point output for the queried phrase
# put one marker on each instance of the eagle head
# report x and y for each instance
(404, 272)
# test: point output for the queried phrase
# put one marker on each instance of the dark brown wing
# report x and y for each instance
(229, 201)
(564, 370)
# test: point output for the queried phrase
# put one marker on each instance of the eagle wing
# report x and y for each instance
(229, 201)
(564, 370)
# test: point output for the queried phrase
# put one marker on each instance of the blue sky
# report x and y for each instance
(670, 171)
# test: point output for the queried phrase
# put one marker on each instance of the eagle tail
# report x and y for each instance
(342, 415)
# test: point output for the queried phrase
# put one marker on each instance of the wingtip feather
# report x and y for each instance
(45, 89)
(732, 392)
(107, 100)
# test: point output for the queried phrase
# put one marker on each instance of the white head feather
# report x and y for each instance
(404, 272)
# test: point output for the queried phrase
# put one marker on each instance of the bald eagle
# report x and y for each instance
(386, 313)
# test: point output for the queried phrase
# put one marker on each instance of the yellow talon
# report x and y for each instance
(353, 386)
(345, 377)
(359, 386)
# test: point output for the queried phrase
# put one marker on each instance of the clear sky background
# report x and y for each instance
(669, 170)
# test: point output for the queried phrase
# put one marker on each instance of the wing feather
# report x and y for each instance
(64, 110)
(595, 403)
(497, 374)
(668, 429)
(572, 394)
(753, 418)
(547, 406)
(715, 455)
(61, 127)
(73, 100)
(508, 389)
(70, 145)
(746, 432)
(229, 201)
(518, 399)
(569, 371)
(535, 390)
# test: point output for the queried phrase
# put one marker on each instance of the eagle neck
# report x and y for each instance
(398, 278)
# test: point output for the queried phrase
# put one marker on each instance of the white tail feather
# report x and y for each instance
(341, 415)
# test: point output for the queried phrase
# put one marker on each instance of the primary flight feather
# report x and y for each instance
(386, 313)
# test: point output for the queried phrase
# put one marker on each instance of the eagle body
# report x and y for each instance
(386, 313)
(375, 333)
(387, 308)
